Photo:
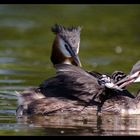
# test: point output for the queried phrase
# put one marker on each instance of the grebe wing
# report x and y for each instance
(119, 104)
(49, 105)
(71, 82)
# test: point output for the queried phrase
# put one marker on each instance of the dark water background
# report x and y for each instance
(110, 40)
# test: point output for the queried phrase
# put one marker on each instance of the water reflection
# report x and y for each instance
(108, 124)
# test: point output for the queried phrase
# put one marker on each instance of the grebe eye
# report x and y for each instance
(66, 46)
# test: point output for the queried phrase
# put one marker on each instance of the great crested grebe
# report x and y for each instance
(33, 102)
(71, 84)
(74, 83)
(71, 81)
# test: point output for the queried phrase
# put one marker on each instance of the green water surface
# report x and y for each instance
(110, 40)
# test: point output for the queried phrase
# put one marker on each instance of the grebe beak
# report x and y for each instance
(129, 79)
(73, 54)
(77, 60)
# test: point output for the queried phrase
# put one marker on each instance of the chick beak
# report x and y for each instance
(128, 80)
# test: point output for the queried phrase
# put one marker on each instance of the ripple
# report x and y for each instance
(7, 112)
(7, 9)
(99, 61)
(12, 81)
(13, 88)
(20, 24)
(7, 60)
(12, 72)
(14, 43)
(10, 96)
(4, 9)
(7, 72)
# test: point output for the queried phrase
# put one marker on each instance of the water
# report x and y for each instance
(110, 40)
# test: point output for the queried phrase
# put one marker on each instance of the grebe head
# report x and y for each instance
(65, 47)
(105, 80)
(133, 77)
(117, 76)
